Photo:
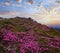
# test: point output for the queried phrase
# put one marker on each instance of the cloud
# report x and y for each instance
(12, 14)
(5, 13)
(48, 18)
(48, 5)
(47, 12)
(30, 1)
(17, 5)
(40, 4)
(58, 1)
(18, 1)
(7, 2)
(2, 12)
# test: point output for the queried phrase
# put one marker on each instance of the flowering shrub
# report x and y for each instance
(23, 43)
(25, 36)
(11, 40)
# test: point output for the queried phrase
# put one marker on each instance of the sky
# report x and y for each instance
(43, 11)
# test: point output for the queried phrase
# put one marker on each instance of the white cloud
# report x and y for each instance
(11, 14)
(48, 18)
(47, 12)
(17, 5)
(4, 13)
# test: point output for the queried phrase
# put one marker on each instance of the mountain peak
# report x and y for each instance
(24, 35)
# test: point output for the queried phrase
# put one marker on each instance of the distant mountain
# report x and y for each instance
(57, 29)
(24, 35)
(55, 26)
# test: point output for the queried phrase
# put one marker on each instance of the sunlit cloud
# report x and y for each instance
(4, 13)
(8, 14)
(48, 18)
(47, 12)
(18, 1)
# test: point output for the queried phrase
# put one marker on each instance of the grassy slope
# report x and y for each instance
(22, 24)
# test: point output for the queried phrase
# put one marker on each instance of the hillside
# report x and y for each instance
(24, 35)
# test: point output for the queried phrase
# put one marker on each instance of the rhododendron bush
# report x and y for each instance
(23, 42)
(21, 35)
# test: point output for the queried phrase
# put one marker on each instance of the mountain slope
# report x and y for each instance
(24, 35)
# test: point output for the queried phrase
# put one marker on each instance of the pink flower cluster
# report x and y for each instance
(25, 43)
(22, 42)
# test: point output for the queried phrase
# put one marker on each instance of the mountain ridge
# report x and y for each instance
(24, 35)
